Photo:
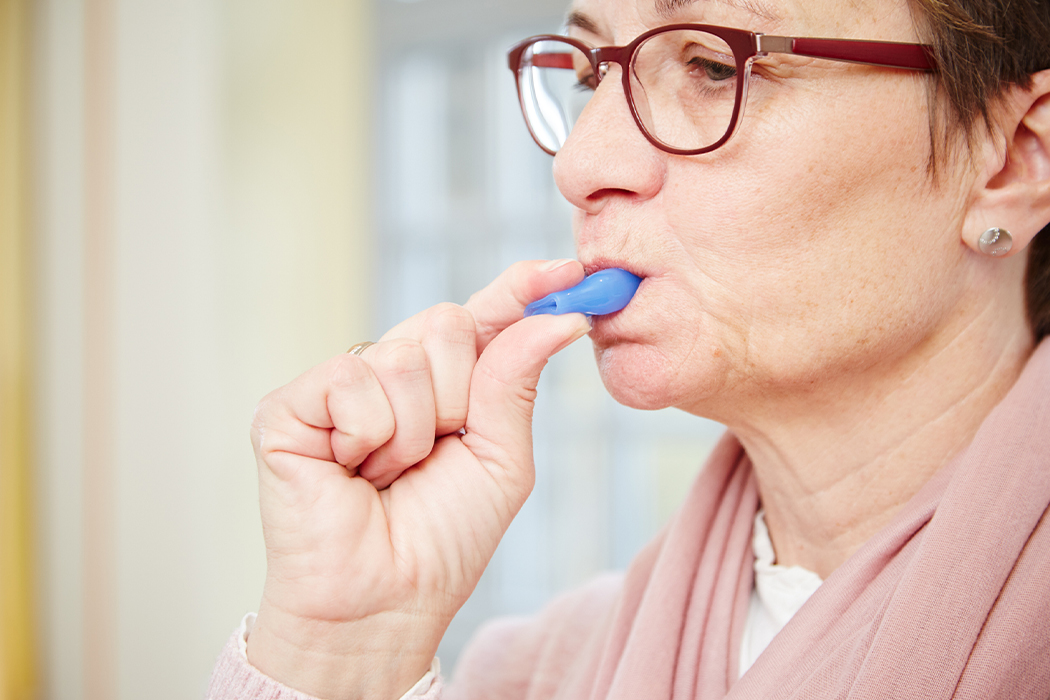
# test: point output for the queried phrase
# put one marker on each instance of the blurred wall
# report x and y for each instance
(202, 236)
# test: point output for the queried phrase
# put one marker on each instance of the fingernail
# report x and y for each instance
(553, 265)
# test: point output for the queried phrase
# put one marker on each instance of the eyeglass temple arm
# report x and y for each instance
(873, 53)
(552, 60)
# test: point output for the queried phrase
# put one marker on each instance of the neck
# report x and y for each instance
(834, 467)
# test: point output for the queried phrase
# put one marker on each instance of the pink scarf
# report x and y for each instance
(951, 600)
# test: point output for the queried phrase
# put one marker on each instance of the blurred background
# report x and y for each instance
(200, 199)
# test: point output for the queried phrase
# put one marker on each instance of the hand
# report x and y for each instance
(387, 480)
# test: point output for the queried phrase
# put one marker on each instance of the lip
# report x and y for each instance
(597, 264)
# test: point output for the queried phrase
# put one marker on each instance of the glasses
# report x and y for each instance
(686, 84)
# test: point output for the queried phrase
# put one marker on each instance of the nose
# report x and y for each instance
(606, 155)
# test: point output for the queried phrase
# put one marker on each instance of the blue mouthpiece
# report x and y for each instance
(603, 292)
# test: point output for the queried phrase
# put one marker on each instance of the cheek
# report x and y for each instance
(820, 256)
(859, 246)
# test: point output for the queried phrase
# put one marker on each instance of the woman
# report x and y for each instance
(849, 278)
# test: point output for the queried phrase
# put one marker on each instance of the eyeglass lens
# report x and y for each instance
(683, 84)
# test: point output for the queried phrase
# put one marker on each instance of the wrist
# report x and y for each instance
(378, 658)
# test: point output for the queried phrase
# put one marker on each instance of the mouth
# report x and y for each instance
(614, 284)
(598, 264)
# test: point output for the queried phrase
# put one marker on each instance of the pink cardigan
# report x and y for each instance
(950, 600)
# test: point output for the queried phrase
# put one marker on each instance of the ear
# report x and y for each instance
(1013, 187)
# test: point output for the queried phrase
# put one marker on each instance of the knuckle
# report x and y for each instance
(451, 314)
(410, 450)
(261, 417)
(259, 414)
(379, 430)
(385, 432)
(349, 371)
(453, 323)
(400, 357)
(354, 443)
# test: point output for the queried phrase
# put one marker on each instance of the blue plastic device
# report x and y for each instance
(603, 292)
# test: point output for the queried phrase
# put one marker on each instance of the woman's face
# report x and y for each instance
(813, 246)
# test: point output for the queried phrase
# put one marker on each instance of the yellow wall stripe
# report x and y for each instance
(17, 672)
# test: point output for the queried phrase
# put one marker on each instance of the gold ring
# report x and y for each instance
(360, 347)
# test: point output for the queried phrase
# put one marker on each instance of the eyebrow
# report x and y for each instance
(666, 8)
(581, 21)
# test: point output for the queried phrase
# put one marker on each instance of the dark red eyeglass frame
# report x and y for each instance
(746, 46)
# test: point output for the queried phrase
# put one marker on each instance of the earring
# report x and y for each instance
(996, 242)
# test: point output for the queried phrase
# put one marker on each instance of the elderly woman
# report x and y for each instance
(835, 209)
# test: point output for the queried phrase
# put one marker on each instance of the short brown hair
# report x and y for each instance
(982, 48)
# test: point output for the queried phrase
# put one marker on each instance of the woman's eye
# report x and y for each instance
(586, 82)
(713, 69)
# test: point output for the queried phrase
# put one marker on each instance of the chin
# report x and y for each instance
(639, 376)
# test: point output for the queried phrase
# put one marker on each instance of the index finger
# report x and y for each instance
(503, 302)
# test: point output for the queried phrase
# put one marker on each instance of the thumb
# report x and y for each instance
(503, 302)
(503, 389)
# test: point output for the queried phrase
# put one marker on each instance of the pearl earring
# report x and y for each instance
(996, 242)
